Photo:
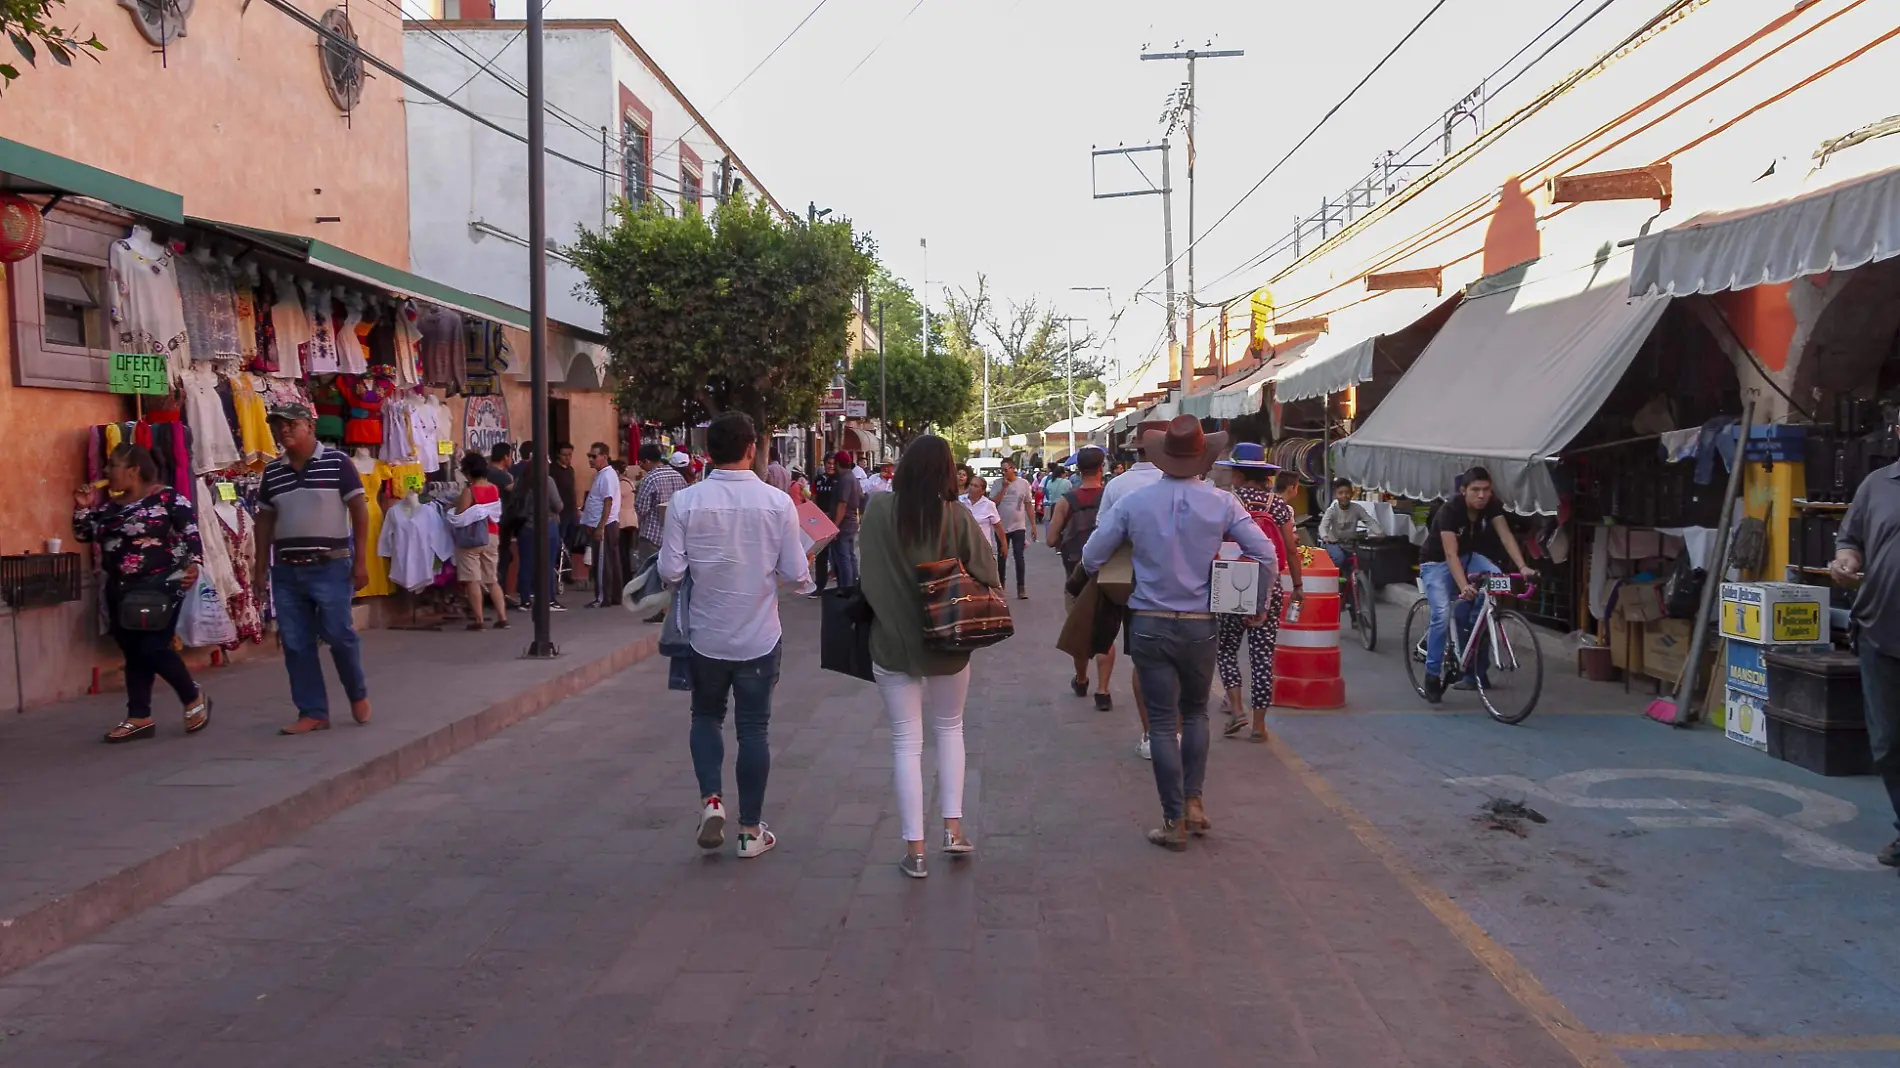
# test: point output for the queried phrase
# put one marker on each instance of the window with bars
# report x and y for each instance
(636, 149)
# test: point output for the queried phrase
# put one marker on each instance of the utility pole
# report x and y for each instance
(883, 390)
(1186, 109)
(1166, 193)
(542, 646)
(1069, 371)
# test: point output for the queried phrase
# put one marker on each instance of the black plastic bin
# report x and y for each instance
(1806, 742)
(1823, 687)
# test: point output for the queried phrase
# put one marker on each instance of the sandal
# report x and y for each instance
(198, 713)
(128, 731)
(1257, 737)
(1235, 725)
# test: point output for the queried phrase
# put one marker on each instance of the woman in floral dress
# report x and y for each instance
(146, 534)
(1251, 471)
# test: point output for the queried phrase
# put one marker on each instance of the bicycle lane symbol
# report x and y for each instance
(1798, 831)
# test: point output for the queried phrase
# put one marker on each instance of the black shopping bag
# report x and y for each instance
(844, 640)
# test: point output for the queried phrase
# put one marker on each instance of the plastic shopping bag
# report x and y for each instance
(202, 620)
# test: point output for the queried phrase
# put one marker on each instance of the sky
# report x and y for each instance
(970, 123)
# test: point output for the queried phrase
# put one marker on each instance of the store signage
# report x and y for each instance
(1745, 721)
(857, 409)
(445, 447)
(227, 491)
(832, 403)
(139, 372)
(484, 424)
(1774, 613)
(1747, 669)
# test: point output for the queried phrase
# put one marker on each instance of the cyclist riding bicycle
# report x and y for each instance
(1466, 533)
(1341, 522)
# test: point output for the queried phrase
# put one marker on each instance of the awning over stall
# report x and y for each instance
(370, 272)
(1244, 396)
(1517, 371)
(1345, 357)
(1828, 222)
(25, 169)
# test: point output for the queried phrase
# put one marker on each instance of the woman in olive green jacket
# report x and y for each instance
(918, 523)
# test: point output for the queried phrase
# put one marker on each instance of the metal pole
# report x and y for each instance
(883, 390)
(605, 166)
(1069, 373)
(1187, 369)
(543, 644)
(1167, 234)
(1684, 711)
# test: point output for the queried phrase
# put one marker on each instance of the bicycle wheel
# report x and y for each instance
(1510, 686)
(1417, 622)
(1365, 617)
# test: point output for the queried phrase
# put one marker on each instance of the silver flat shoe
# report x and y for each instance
(913, 866)
(956, 845)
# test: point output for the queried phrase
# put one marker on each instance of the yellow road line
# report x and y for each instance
(1585, 1045)
(1753, 1044)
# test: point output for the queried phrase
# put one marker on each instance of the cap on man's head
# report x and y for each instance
(1090, 459)
(680, 459)
(843, 458)
(291, 411)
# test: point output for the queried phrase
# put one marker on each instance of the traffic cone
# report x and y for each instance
(1306, 670)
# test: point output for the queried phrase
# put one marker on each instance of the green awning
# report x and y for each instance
(369, 272)
(25, 169)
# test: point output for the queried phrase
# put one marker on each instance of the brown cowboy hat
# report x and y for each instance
(1183, 450)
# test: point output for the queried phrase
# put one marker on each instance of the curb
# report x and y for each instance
(85, 912)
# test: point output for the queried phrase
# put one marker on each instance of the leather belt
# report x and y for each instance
(1174, 615)
(308, 557)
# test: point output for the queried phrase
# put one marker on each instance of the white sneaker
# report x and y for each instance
(753, 845)
(1147, 753)
(712, 825)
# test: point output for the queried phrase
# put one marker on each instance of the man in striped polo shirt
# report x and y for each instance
(313, 518)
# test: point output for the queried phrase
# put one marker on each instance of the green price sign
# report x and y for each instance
(139, 372)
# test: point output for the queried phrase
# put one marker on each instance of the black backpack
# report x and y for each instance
(1080, 524)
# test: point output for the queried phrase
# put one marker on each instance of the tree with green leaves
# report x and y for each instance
(737, 310)
(29, 25)
(1027, 346)
(923, 389)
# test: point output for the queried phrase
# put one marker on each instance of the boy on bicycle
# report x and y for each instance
(1341, 522)
(1467, 531)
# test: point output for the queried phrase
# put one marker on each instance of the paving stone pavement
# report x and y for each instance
(538, 900)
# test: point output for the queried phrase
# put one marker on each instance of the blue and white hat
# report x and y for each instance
(1249, 455)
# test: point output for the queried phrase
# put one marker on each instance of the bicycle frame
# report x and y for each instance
(1484, 624)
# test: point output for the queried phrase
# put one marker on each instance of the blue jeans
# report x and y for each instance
(312, 602)
(1339, 554)
(1174, 669)
(1880, 695)
(1441, 593)
(750, 682)
(529, 577)
(844, 559)
(1011, 544)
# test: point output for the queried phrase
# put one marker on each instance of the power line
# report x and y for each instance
(755, 68)
(882, 40)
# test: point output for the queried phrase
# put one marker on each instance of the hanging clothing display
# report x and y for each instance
(210, 303)
(319, 354)
(290, 327)
(239, 533)
(253, 417)
(488, 354)
(326, 397)
(444, 350)
(363, 422)
(148, 316)
(399, 442)
(204, 410)
(427, 425)
(351, 359)
(415, 540)
(407, 322)
(377, 565)
(246, 304)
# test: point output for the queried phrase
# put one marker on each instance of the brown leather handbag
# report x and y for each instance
(960, 613)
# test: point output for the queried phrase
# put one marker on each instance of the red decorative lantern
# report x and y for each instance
(22, 228)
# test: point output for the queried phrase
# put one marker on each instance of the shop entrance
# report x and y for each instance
(557, 420)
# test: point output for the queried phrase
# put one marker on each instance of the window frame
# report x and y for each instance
(77, 235)
(692, 173)
(635, 116)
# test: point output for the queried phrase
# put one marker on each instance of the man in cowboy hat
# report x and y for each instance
(1176, 526)
(1123, 484)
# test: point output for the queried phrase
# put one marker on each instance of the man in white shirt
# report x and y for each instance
(880, 482)
(601, 515)
(1136, 477)
(1016, 503)
(984, 510)
(738, 539)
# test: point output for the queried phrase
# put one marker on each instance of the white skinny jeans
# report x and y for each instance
(905, 698)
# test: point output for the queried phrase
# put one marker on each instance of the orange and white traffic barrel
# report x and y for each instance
(1306, 671)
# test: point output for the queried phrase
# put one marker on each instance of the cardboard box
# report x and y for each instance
(1666, 648)
(1745, 720)
(1640, 602)
(1626, 645)
(815, 527)
(1774, 613)
(1747, 670)
(1234, 588)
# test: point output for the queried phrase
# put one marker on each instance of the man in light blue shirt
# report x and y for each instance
(1176, 526)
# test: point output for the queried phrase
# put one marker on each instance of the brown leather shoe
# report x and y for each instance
(1171, 835)
(306, 725)
(359, 710)
(1196, 819)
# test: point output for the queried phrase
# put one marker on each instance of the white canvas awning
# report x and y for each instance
(1839, 217)
(1244, 397)
(1082, 425)
(1345, 356)
(1517, 371)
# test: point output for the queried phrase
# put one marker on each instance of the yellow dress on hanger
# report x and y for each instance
(379, 585)
(253, 421)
